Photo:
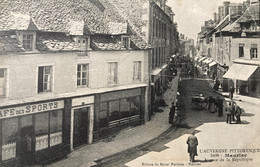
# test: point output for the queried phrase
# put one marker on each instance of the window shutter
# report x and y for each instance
(40, 79)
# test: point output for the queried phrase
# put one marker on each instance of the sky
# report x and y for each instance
(190, 15)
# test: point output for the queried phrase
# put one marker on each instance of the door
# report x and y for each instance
(80, 127)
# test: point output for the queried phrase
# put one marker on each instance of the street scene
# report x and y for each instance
(129, 83)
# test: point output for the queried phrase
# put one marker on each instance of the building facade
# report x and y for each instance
(67, 80)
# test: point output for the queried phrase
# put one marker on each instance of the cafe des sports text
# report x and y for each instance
(30, 109)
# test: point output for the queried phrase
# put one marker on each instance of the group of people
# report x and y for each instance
(233, 110)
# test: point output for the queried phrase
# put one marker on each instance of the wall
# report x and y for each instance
(247, 42)
(23, 73)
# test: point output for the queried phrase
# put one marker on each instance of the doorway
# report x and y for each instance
(80, 126)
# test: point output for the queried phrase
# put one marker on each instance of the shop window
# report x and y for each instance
(112, 72)
(114, 113)
(124, 108)
(2, 82)
(103, 115)
(48, 129)
(44, 79)
(41, 131)
(253, 84)
(28, 41)
(134, 105)
(253, 51)
(83, 75)
(137, 71)
(9, 138)
(55, 127)
(241, 50)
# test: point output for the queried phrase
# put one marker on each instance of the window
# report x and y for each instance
(2, 82)
(241, 50)
(27, 41)
(253, 51)
(44, 79)
(9, 138)
(137, 71)
(48, 129)
(103, 115)
(83, 75)
(112, 73)
(125, 42)
(114, 113)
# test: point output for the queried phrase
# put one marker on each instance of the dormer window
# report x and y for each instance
(27, 39)
(126, 42)
(83, 43)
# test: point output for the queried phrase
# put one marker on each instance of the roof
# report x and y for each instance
(251, 14)
(66, 17)
(56, 16)
(9, 43)
(105, 42)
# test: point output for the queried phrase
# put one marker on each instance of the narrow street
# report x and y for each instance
(170, 148)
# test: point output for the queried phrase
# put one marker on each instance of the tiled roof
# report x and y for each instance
(67, 17)
(251, 14)
(55, 42)
(9, 43)
(56, 15)
(117, 28)
(132, 10)
(105, 42)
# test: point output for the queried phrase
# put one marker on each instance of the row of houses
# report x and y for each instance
(75, 72)
(228, 47)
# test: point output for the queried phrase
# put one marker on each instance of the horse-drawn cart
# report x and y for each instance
(199, 101)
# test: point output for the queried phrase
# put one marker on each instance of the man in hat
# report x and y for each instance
(192, 142)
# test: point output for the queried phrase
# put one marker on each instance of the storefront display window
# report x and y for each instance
(49, 123)
(103, 115)
(135, 106)
(114, 113)
(9, 138)
(124, 108)
(55, 127)
(41, 131)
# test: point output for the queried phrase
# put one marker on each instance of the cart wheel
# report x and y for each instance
(204, 105)
(195, 105)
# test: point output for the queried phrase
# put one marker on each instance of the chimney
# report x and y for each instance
(215, 17)
(206, 23)
(226, 8)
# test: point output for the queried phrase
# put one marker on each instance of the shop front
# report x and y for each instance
(31, 133)
(117, 110)
(244, 78)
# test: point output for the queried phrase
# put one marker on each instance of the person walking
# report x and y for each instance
(228, 111)
(233, 109)
(237, 113)
(172, 113)
(219, 106)
(192, 142)
(232, 90)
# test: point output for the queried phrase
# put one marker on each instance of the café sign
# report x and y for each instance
(31, 109)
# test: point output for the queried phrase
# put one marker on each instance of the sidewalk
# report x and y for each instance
(126, 139)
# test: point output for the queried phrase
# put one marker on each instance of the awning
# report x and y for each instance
(201, 59)
(212, 64)
(240, 71)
